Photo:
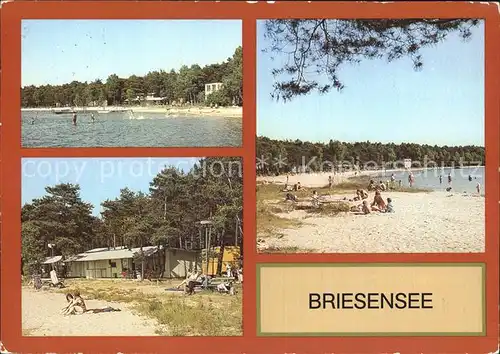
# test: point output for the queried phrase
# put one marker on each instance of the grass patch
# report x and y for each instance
(28, 332)
(328, 209)
(268, 222)
(286, 249)
(268, 192)
(203, 314)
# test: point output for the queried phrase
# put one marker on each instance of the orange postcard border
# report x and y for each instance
(11, 15)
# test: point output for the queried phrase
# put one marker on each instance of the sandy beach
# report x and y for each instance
(41, 317)
(312, 180)
(423, 222)
(226, 112)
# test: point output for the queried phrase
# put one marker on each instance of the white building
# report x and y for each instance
(119, 262)
(211, 88)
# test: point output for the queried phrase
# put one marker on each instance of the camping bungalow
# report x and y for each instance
(231, 256)
(122, 262)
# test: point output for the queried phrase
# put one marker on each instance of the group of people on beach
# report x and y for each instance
(449, 188)
(377, 205)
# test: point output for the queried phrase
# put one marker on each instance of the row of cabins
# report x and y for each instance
(122, 262)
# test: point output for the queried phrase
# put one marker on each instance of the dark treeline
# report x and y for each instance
(185, 86)
(168, 215)
(280, 156)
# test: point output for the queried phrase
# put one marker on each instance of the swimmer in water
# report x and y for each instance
(92, 117)
(74, 118)
(32, 120)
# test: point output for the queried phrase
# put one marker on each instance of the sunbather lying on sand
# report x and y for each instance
(291, 197)
(363, 208)
(76, 306)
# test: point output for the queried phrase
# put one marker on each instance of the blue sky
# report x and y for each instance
(60, 51)
(99, 178)
(386, 102)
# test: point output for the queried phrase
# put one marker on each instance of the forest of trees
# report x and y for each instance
(166, 216)
(280, 156)
(185, 86)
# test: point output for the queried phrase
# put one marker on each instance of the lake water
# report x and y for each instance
(132, 130)
(429, 179)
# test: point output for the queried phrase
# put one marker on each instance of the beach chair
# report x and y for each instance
(54, 281)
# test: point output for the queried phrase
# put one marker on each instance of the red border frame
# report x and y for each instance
(11, 15)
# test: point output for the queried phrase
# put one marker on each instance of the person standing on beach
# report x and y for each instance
(449, 178)
(441, 179)
(330, 181)
(478, 188)
(411, 179)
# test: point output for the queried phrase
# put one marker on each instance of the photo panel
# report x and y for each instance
(364, 144)
(371, 136)
(136, 246)
(131, 83)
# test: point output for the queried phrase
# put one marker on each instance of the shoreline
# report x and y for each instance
(222, 112)
(320, 179)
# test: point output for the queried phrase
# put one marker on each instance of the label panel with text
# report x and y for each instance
(311, 299)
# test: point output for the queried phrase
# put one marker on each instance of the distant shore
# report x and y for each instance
(226, 112)
(320, 179)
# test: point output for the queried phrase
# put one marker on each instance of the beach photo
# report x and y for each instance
(131, 83)
(370, 136)
(132, 246)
